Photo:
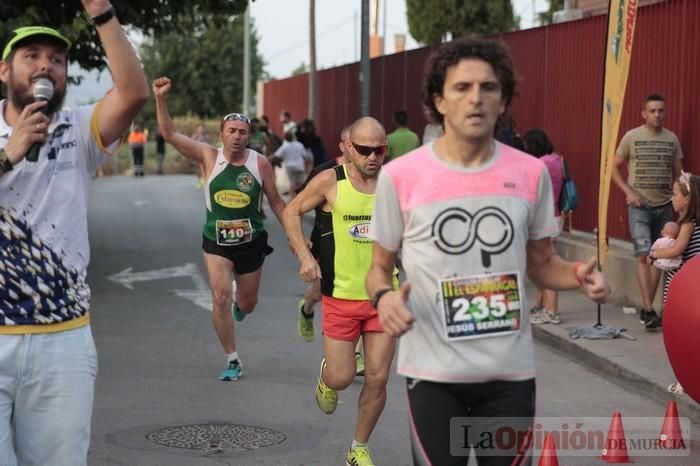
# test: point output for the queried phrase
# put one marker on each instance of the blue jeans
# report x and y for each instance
(646, 224)
(47, 386)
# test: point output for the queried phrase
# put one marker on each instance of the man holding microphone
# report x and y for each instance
(48, 362)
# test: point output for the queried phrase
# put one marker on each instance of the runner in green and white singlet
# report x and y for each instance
(234, 201)
(234, 238)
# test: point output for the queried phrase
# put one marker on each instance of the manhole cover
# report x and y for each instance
(216, 437)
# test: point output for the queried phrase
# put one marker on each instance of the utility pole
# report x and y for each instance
(364, 60)
(312, 59)
(386, 38)
(246, 59)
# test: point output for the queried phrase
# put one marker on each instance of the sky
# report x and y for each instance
(282, 27)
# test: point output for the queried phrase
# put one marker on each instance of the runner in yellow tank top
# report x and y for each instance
(346, 196)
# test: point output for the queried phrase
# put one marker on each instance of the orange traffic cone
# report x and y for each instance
(671, 435)
(548, 457)
(615, 450)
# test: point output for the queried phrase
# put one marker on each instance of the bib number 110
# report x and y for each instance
(479, 308)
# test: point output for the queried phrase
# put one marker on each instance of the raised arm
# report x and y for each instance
(193, 150)
(316, 193)
(120, 106)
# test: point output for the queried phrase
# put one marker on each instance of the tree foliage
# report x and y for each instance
(429, 21)
(150, 17)
(546, 17)
(206, 68)
(303, 68)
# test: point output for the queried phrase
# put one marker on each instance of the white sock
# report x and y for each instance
(233, 357)
(355, 443)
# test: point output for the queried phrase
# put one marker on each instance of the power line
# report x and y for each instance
(305, 42)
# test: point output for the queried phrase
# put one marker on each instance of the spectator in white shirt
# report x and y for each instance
(292, 153)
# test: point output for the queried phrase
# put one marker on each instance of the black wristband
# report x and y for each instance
(378, 295)
(103, 17)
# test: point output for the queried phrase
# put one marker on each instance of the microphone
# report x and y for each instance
(43, 91)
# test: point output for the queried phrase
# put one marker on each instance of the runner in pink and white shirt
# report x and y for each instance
(472, 218)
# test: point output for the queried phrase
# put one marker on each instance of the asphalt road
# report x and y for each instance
(159, 356)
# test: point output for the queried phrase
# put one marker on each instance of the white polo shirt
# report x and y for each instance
(44, 250)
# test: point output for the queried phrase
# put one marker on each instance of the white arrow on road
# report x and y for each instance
(200, 298)
(200, 295)
(127, 277)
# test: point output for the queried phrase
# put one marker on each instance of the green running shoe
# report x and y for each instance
(237, 313)
(359, 456)
(326, 397)
(305, 325)
(360, 364)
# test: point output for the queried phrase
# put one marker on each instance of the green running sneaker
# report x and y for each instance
(360, 363)
(326, 397)
(305, 325)
(232, 372)
(359, 456)
(237, 313)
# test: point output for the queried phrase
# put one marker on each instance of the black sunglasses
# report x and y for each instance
(237, 117)
(366, 151)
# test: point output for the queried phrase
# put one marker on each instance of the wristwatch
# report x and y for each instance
(5, 164)
(103, 17)
(378, 295)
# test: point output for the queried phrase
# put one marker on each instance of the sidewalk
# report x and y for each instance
(640, 366)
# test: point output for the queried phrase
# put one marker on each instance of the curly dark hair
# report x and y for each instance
(537, 143)
(495, 53)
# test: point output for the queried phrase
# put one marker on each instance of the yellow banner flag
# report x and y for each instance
(622, 18)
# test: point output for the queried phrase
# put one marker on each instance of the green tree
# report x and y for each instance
(429, 21)
(206, 67)
(546, 17)
(150, 17)
(301, 69)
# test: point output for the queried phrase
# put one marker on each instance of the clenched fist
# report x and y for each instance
(161, 86)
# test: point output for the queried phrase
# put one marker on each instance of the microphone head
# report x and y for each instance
(43, 89)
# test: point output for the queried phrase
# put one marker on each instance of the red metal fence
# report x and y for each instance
(560, 91)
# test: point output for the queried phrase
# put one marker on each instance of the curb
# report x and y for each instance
(616, 373)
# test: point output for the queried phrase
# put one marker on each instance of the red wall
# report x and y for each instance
(560, 91)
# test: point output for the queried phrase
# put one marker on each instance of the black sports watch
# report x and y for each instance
(378, 295)
(103, 17)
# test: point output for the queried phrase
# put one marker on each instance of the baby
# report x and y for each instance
(668, 238)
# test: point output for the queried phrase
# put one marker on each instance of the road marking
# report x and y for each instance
(199, 295)
(201, 298)
(127, 277)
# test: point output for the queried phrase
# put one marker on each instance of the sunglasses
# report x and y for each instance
(237, 117)
(366, 151)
